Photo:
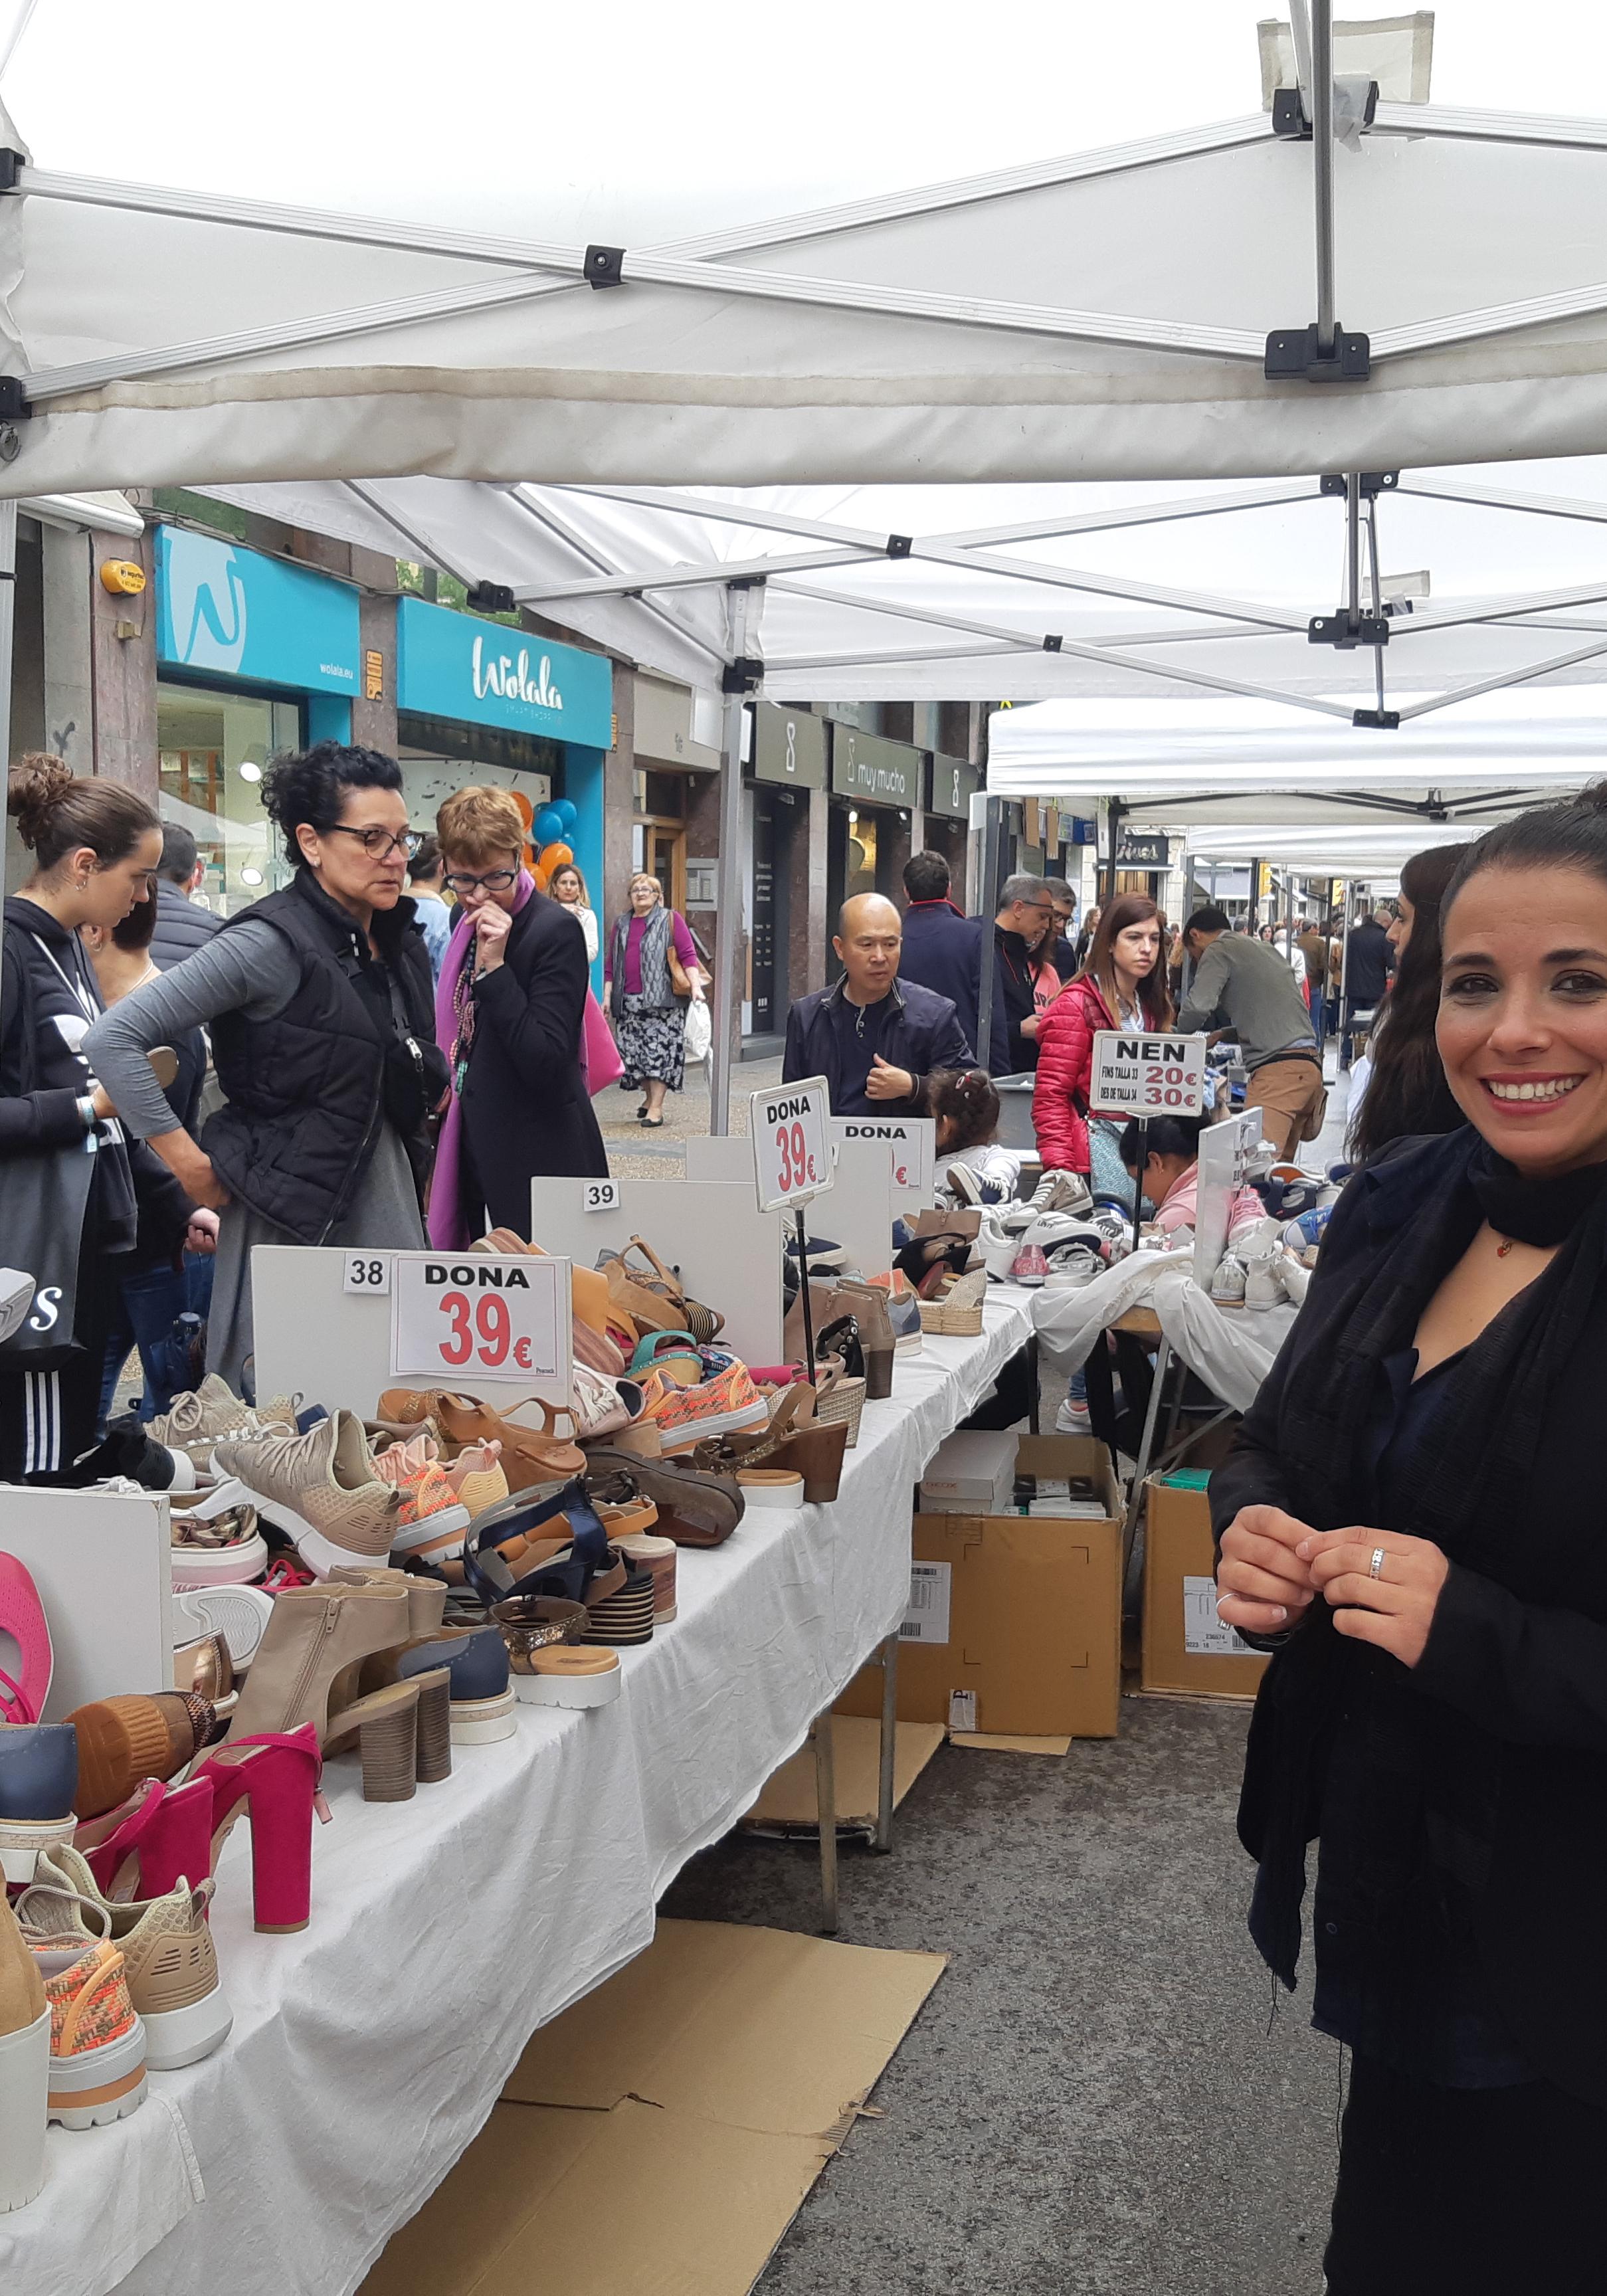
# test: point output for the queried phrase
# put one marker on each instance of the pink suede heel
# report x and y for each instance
(23, 1617)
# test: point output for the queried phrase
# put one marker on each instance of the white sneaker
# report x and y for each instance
(1072, 1266)
(1227, 1285)
(238, 1615)
(1061, 1192)
(997, 1245)
(1073, 1419)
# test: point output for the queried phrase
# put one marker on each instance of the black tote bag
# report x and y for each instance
(44, 1201)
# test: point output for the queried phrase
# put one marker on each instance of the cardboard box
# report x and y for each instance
(1016, 1626)
(1184, 1646)
(969, 1473)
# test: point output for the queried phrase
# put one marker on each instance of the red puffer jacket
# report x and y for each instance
(1065, 1062)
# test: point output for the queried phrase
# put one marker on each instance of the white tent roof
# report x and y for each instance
(1104, 315)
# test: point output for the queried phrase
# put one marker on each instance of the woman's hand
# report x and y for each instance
(1263, 1583)
(192, 1168)
(201, 1235)
(1393, 1607)
(491, 929)
(102, 1101)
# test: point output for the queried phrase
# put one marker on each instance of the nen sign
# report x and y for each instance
(1146, 1075)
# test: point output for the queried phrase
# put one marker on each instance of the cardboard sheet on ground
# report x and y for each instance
(982, 1742)
(656, 2139)
(789, 1799)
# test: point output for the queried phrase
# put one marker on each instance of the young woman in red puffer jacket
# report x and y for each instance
(1123, 985)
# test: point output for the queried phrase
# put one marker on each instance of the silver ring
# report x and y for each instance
(1375, 1569)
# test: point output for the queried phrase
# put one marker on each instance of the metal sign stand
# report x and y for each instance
(803, 1288)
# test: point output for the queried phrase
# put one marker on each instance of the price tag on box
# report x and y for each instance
(791, 1149)
(1146, 1075)
(462, 1320)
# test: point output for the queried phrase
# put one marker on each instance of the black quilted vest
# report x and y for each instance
(306, 1091)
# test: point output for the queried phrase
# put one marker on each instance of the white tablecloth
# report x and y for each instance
(1231, 1348)
(368, 2051)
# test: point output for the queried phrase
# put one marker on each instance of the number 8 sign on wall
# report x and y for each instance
(791, 1153)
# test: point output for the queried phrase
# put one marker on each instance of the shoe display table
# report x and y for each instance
(368, 2050)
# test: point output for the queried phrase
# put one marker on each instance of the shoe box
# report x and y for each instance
(1184, 1646)
(971, 1472)
(1015, 1624)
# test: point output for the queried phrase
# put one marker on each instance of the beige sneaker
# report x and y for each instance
(322, 1488)
(169, 1960)
(214, 1414)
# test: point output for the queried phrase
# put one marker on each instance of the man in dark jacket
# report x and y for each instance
(943, 950)
(183, 925)
(1024, 922)
(875, 1039)
(1367, 974)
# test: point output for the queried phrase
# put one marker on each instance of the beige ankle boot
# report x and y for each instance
(24, 2067)
(316, 1636)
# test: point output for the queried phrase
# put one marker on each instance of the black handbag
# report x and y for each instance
(44, 1201)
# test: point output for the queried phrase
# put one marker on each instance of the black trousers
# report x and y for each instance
(1467, 2191)
(50, 1418)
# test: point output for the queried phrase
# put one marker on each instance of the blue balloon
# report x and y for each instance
(547, 827)
(568, 812)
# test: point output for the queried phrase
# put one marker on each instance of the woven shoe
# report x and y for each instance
(169, 1959)
(322, 1488)
(97, 2043)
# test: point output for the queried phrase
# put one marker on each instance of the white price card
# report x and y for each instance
(911, 1142)
(1146, 1075)
(458, 1320)
(599, 1196)
(368, 1273)
(791, 1149)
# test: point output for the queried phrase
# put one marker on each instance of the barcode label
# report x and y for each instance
(926, 1619)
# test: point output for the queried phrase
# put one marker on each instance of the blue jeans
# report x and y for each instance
(150, 1302)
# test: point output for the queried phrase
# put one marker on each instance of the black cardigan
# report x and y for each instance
(524, 1101)
(1516, 1657)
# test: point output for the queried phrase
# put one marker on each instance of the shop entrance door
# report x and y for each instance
(766, 856)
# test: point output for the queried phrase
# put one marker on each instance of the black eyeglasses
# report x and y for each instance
(498, 881)
(380, 844)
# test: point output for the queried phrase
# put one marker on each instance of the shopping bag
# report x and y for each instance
(700, 1030)
(599, 1054)
(44, 1199)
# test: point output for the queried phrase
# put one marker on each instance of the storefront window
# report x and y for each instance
(860, 874)
(213, 747)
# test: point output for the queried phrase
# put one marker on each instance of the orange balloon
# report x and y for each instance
(541, 877)
(556, 857)
(527, 812)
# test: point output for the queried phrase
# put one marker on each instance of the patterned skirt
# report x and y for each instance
(652, 1042)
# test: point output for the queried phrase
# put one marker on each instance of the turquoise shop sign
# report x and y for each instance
(481, 673)
(229, 614)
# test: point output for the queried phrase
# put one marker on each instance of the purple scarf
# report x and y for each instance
(599, 1060)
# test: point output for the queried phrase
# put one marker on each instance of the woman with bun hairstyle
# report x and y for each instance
(510, 1010)
(1413, 1520)
(1123, 985)
(97, 847)
(321, 1006)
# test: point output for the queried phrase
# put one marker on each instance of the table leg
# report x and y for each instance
(1163, 1358)
(890, 1743)
(825, 1810)
(1032, 1386)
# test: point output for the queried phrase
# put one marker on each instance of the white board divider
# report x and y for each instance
(728, 1252)
(102, 1561)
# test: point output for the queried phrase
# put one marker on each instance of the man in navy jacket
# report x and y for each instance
(943, 951)
(874, 1036)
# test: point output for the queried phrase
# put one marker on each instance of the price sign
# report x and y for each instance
(911, 1142)
(599, 1196)
(369, 1273)
(457, 1321)
(1147, 1076)
(791, 1149)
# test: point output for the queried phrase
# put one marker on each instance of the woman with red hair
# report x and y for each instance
(1123, 985)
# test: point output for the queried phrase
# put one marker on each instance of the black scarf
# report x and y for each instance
(1482, 1461)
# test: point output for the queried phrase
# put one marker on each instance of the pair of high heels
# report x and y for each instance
(164, 1834)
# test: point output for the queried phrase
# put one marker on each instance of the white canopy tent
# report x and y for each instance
(1166, 311)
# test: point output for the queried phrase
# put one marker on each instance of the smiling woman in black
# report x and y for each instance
(1415, 1519)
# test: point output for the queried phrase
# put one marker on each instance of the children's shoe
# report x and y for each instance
(169, 1959)
(1030, 1265)
(97, 2043)
(685, 1416)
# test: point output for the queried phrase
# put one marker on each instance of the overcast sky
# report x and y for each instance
(617, 122)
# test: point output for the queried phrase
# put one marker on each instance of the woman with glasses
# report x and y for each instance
(320, 1004)
(650, 1022)
(510, 1007)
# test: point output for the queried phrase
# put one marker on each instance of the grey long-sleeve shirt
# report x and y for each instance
(249, 970)
(1247, 986)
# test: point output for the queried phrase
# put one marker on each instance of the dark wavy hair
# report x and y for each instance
(1407, 1093)
(967, 1097)
(310, 786)
(1154, 990)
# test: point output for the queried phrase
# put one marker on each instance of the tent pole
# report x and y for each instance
(993, 822)
(1299, 28)
(1322, 161)
(1113, 815)
(730, 945)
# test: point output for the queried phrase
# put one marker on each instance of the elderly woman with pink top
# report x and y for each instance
(650, 948)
